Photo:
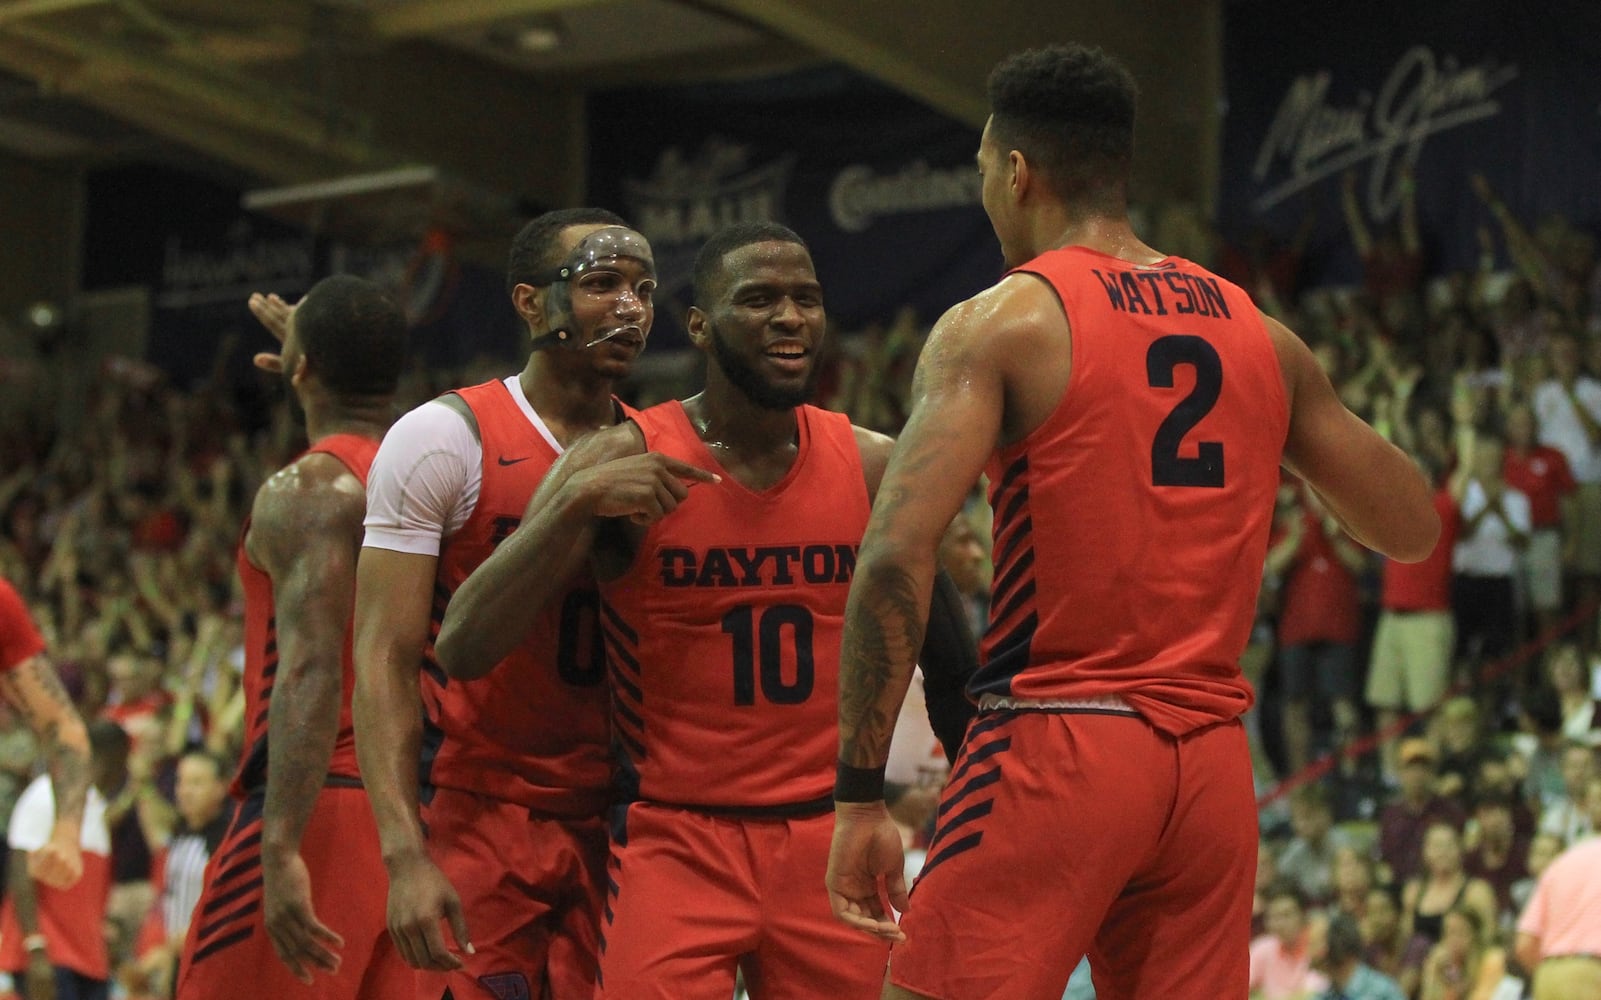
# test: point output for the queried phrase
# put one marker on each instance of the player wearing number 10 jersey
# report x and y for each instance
(1133, 412)
(722, 603)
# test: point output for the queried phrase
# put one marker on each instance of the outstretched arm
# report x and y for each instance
(305, 532)
(958, 397)
(35, 689)
(607, 474)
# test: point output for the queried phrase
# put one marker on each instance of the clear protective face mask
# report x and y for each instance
(590, 271)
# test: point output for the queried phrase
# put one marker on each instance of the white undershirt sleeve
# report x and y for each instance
(424, 481)
(33, 817)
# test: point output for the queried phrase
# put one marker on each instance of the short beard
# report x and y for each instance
(749, 381)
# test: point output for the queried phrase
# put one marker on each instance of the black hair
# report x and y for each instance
(1284, 888)
(215, 760)
(535, 248)
(1344, 939)
(709, 262)
(1543, 706)
(1069, 109)
(106, 737)
(353, 334)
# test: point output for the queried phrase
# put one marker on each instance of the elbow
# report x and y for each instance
(1419, 539)
(458, 656)
(1527, 951)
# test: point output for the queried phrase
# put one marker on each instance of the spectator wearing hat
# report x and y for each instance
(1415, 809)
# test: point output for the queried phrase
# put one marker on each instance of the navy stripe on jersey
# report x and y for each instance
(970, 794)
(628, 718)
(617, 622)
(1008, 641)
(235, 893)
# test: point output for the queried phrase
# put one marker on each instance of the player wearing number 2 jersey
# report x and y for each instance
(1132, 412)
(722, 601)
(511, 772)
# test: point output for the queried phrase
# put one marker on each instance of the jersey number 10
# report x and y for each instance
(759, 650)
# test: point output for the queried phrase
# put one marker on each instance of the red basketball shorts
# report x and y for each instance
(530, 891)
(227, 953)
(690, 896)
(1061, 834)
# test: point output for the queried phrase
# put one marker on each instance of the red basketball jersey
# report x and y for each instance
(1131, 526)
(19, 637)
(261, 642)
(534, 730)
(723, 637)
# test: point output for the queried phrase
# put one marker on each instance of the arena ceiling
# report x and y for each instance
(479, 102)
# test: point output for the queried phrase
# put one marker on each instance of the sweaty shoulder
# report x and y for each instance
(1014, 333)
(315, 495)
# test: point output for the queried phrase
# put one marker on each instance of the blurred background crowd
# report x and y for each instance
(1425, 735)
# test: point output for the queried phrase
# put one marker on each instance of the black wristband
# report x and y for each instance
(858, 784)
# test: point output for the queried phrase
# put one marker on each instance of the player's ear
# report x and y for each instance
(1019, 175)
(530, 305)
(302, 370)
(695, 321)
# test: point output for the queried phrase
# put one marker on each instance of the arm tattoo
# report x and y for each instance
(883, 634)
(38, 694)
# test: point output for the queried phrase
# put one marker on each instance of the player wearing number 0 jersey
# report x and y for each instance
(1132, 412)
(723, 530)
(499, 828)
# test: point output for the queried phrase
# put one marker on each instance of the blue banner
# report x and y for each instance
(1448, 90)
(187, 239)
(883, 189)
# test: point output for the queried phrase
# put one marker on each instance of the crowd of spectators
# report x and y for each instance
(1409, 852)
(1428, 733)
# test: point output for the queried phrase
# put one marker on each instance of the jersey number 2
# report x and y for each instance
(1168, 467)
(763, 641)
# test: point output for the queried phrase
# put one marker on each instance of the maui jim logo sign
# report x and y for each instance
(685, 199)
(858, 196)
(1424, 94)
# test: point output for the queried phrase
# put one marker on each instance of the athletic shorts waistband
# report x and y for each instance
(787, 810)
(1109, 704)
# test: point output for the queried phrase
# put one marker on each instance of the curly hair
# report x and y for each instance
(1069, 109)
(709, 272)
(354, 335)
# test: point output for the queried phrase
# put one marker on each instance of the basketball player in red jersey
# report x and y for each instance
(515, 772)
(28, 680)
(1132, 412)
(303, 832)
(723, 578)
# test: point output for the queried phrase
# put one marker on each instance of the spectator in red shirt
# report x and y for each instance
(1319, 622)
(1542, 474)
(1410, 666)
